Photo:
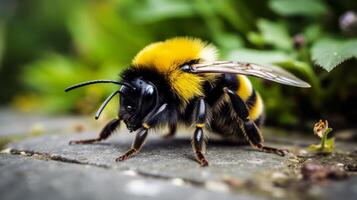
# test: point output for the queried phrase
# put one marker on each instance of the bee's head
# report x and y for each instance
(136, 102)
(137, 99)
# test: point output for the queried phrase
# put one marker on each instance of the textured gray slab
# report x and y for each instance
(14, 123)
(170, 158)
(159, 167)
(31, 179)
(346, 190)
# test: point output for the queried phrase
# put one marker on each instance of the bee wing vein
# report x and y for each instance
(266, 72)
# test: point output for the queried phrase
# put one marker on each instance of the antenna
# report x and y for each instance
(95, 82)
(101, 108)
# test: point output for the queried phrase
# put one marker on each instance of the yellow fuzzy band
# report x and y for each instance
(168, 56)
(245, 87)
(257, 109)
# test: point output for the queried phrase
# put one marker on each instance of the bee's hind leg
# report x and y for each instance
(255, 138)
(248, 127)
(104, 134)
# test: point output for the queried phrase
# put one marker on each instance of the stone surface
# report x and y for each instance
(46, 167)
(346, 190)
(163, 157)
(14, 123)
(31, 179)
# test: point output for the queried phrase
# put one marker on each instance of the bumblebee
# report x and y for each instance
(179, 81)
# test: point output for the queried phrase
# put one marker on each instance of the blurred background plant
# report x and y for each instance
(48, 45)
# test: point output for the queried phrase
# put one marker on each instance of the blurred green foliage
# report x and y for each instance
(328, 53)
(48, 45)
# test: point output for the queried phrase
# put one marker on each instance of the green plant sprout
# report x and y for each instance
(326, 145)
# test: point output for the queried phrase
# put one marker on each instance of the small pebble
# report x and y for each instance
(217, 186)
(278, 175)
(351, 167)
(130, 172)
(7, 150)
(232, 181)
(303, 152)
(177, 181)
(340, 165)
(316, 172)
(294, 160)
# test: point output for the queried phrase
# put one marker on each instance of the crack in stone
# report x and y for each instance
(259, 187)
(47, 156)
(58, 158)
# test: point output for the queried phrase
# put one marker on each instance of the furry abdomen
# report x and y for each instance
(224, 121)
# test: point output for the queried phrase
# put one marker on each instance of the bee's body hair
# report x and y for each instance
(177, 81)
(225, 121)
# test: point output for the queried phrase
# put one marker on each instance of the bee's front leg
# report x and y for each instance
(104, 134)
(199, 140)
(140, 138)
(136, 146)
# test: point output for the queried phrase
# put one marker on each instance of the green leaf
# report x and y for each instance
(309, 8)
(101, 36)
(329, 145)
(256, 39)
(275, 33)
(228, 41)
(328, 130)
(258, 56)
(149, 11)
(328, 52)
(48, 77)
(312, 32)
(314, 147)
(235, 12)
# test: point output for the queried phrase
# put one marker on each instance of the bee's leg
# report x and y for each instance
(104, 134)
(136, 146)
(248, 127)
(198, 140)
(172, 131)
(141, 135)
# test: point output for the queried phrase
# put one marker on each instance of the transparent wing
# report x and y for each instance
(271, 73)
